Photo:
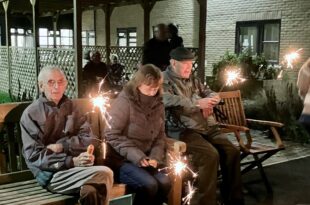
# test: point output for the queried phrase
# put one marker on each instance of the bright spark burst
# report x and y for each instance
(233, 76)
(191, 191)
(292, 57)
(178, 165)
(102, 102)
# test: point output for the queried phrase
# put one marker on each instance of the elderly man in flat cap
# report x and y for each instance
(55, 138)
(189, 107)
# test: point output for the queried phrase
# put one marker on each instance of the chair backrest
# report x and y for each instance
(232, 108)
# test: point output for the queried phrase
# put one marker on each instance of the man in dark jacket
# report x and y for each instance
(189, 106)
(55, 138)
(93, 72)
(156, 50)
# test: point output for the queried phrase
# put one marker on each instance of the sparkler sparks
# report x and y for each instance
(292, 57)
(232, 77)
(178, 165)
(191, 191)
(102, 102)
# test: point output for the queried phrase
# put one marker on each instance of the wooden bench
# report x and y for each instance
(17, 185)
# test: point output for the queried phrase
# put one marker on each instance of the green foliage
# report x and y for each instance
(4, 97)
(252, 67)
(287, 112)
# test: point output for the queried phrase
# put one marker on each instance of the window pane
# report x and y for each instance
(12, 30)
(13, 40)
(122, 42)
(132, 44)
(57, 41)
(132, 40)
(84, 42)
(20, 41)
(248, 39)
(132, 34)
(271, 32)
(64, 32)
(42, 41)
(43, 31)
(271, 52)
(84, 34)
(121, 34)
(20, 31)
(50, 41)
(91, 41)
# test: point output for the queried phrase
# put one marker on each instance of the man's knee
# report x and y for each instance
(105, 173)
(88, 191)
(165, 183)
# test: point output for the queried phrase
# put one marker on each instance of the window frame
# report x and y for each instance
(260, 25)
(127, 31)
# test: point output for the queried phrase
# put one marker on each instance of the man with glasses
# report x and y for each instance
(55, 138)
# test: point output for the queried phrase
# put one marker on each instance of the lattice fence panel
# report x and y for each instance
(130, 57)
(23, 72)
(63, 58)
(102, 50)
(4, 69)
(195, 63)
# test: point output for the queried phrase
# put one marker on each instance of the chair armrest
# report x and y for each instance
(175, 146)
(234, 127)
(267, 123)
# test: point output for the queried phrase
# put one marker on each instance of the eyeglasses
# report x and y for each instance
(52, 83)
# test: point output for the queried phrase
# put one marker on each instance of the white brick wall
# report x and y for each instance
(221, 23)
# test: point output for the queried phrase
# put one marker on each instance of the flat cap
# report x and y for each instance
(181, 53)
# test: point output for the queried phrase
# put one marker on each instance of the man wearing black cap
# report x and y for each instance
(189, 107)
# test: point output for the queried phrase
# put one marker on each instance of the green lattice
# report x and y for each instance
(23, 71)
(63, 58)
(4, 79)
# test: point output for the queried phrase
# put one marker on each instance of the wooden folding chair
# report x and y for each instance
(231, 118)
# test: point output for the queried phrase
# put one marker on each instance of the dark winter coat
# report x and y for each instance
(136, 130)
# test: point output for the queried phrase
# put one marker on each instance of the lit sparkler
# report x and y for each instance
(102, 102)
(191, 191)
(178, 165)
(292, 57)
(232, 77)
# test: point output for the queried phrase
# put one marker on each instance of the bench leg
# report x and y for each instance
(175, 195)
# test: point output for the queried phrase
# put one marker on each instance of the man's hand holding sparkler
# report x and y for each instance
(207, 104)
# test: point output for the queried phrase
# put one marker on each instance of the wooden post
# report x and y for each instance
(108, 9)
(202, 39)
(55, 22)
(77, 10)
(95, 25)
(147, 6)
(7, 39)
(35, 35)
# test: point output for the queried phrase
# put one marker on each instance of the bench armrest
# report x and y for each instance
(175, 146)
(233, 127)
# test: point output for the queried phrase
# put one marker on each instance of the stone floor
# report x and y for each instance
(292, 150)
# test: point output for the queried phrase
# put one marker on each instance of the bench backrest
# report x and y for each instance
(12, 163)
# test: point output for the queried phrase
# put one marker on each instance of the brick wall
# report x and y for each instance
(221, 23)
(223, 15)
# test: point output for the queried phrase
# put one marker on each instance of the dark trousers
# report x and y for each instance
(150, 186)
(208, 152)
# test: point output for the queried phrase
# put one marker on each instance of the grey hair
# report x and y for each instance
(47, 69)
